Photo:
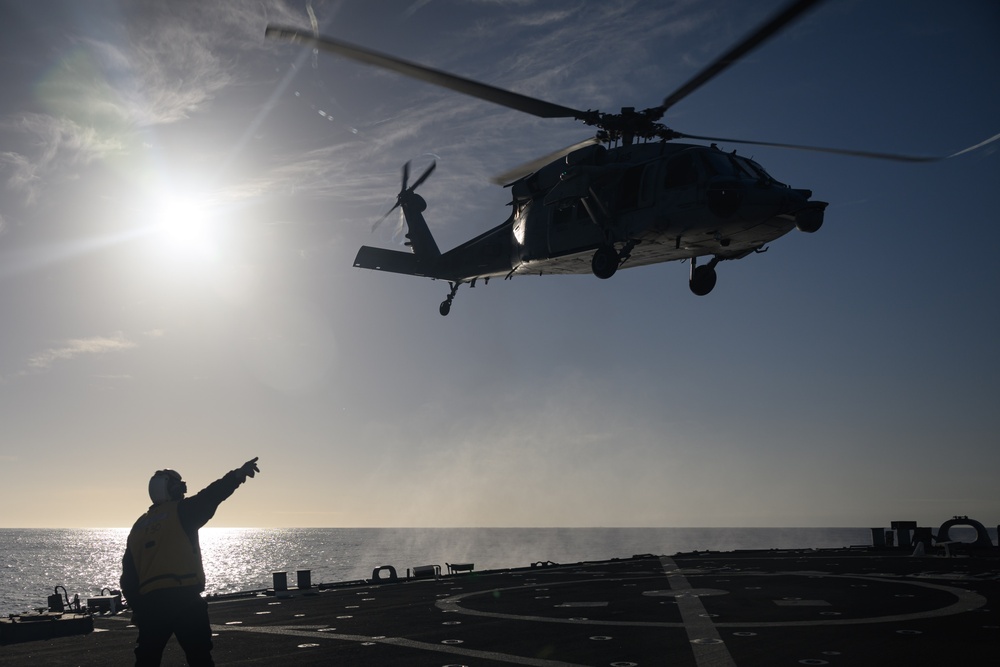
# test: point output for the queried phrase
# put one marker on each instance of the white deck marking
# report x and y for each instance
(312, 633)
(709, 649)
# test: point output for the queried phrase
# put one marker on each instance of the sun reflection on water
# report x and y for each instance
(238, 558)
(234, 557)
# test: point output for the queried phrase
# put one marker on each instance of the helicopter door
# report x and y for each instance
(682, 177)
(638, 187)
(571, 229)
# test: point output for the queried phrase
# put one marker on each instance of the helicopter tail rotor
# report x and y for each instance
(405, 192)
(423, 176)
(411, 207)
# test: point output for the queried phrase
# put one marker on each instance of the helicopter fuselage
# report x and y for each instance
(639, 204)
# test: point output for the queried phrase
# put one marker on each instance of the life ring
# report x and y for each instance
(982, 537)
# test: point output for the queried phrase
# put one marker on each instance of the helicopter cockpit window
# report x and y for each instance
(681, 171)
(760, 171)
(717, 163)
(746, 168)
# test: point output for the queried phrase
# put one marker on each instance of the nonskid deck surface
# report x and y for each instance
(829, 607)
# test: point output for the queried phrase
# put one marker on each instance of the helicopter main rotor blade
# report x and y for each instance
(755, 39)
(459, 84)
(517, 172)
(845, 151)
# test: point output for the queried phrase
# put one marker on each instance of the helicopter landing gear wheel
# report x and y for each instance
(605, 262)
(702, 279)
(445, 306)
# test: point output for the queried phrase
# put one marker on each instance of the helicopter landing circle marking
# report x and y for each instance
(967, 601)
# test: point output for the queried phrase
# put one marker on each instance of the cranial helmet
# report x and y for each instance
(166, 485)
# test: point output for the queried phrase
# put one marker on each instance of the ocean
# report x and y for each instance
(85, 561)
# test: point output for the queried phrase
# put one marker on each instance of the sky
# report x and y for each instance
(181, 201)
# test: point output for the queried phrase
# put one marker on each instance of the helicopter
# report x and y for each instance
(630, 196)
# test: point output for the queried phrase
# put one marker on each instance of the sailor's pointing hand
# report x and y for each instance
(250, 467)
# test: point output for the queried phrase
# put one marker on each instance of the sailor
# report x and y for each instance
(162, 573)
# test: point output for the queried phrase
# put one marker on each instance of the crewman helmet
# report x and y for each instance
(166, 485)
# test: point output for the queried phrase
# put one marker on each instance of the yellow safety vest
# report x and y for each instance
(163, 554)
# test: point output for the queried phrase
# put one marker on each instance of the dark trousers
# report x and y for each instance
(180, 612)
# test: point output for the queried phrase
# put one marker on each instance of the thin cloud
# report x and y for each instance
(101, 93)
(23, 172)
(61, 143)
(323, 173)
(415, 7)
(77, 347)
(543, 19)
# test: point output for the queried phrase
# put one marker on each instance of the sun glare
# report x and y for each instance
(186, 229)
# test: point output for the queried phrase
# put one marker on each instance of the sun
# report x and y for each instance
(186, 228)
